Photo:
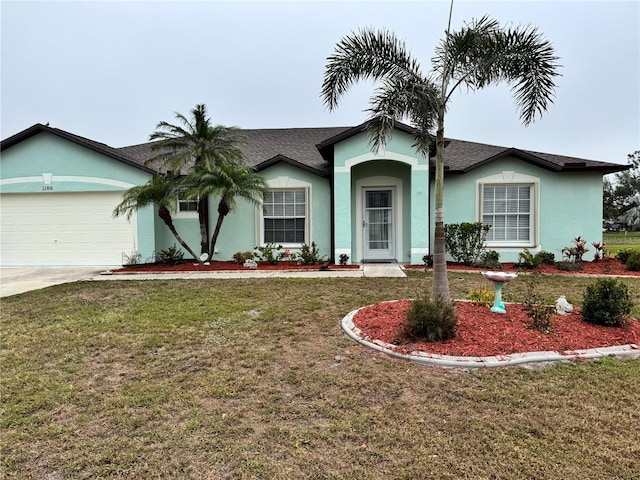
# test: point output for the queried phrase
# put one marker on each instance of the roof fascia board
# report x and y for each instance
(283, 159)
(514, 152)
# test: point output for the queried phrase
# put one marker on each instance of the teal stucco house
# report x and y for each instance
(326, 185)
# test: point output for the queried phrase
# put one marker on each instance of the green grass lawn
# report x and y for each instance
(614, 242)
(213, 379)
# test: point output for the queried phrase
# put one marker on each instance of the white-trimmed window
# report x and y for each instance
(187, 208)
(509, 209)
(284, 218)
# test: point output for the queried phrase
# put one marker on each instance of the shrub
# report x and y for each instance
(489, 259)
(606, 302)
(545, 258)
(309, 254)
(526, 260)
(540, 313)
(633, 262)
(568, 266)
(171, 255)
(428, 260)
(269, 253)
(241, 257)
(465, 241)
(482, 296)
(344, 259)
(575, 253)
(529, 261)
(434, 321)
(623, 255)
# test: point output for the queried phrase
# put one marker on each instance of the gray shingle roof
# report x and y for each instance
(297, 144)
(312, 149)
(462, 156)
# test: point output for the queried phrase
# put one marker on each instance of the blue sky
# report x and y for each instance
(110, 71)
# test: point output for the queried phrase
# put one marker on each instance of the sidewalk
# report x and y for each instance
(367, 270)
(16, 280)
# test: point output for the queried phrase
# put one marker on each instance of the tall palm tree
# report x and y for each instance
(229, 181)
(195, 143)
(160, 191)
(481, 53)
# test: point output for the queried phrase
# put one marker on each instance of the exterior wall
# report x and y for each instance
(398, 166)
(47, 164)
(568, 204)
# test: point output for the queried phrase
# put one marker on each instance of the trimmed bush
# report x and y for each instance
(633, 262)
(465, 241)
(489, 259)
(433, 321)
(623, 255)
(606, 302)
(545, 258)
(569, 266)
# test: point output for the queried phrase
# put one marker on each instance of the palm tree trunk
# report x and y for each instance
(223, 210)
(164, 214)
(440, 279)
(203, 219)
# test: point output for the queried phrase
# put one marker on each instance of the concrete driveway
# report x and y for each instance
(14, 280)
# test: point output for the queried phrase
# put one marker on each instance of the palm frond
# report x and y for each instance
(365, 54)
(483, 53)
(228, 182)
(195, 142)
(160, 191)
(399, 98)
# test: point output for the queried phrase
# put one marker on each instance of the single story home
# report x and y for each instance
(326, 185)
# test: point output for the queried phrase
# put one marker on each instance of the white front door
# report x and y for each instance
(377, 224)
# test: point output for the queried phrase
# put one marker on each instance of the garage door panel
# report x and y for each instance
(63, 229)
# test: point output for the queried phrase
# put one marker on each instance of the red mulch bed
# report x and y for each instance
(481, 333)
(222, 266)
(607, 266)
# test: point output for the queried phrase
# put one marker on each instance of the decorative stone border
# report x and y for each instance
(450, 361)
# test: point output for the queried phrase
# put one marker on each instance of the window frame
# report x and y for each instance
(186, 213)
(513, 179)
(284, 186)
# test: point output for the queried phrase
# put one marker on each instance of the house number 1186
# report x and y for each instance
(47, 188)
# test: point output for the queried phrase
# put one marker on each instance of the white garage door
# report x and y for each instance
(63, 229)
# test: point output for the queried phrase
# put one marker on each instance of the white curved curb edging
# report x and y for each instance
(449, 361)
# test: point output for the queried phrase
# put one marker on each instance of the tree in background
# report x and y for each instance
(620, 195)
(195, 143)
(480, 54)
